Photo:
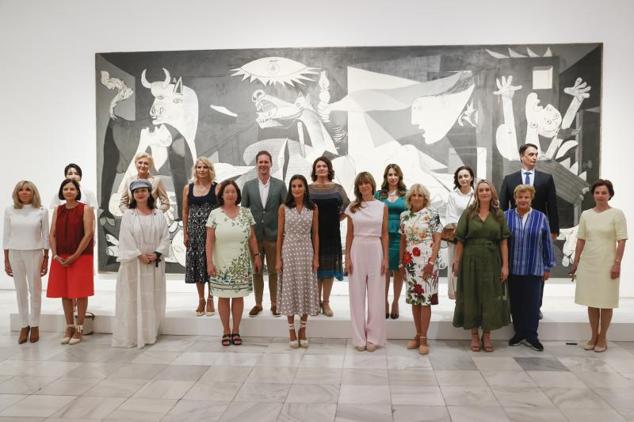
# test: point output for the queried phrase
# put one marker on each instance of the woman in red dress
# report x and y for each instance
(71, 241)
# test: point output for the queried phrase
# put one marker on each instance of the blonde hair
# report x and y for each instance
(494, 205)
(417, 188)
(207, 162)
(144, 155)
(524, 188)
(363, 177)
(36, 202)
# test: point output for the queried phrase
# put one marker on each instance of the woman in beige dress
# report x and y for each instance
(597, 264)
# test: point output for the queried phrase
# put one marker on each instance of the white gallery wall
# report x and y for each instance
(47, 48)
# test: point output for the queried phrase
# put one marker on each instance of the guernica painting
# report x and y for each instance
(429, 109)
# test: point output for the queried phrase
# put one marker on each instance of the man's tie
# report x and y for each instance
(527, 177)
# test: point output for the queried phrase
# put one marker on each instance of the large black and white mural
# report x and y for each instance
(429, 109)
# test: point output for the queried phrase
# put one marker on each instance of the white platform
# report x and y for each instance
(563, 319)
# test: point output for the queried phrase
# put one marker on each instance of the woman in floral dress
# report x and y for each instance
(420, 242)
(230, 238)
(199, 198)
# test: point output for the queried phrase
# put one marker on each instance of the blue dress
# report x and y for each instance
(394, 210)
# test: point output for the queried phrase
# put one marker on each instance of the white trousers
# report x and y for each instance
(26, 266)
(367, 281)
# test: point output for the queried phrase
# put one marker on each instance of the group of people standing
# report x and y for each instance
(502, 255)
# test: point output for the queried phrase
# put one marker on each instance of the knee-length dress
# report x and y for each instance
(297, 292)
(331, 199)
(418, 228)
(601, 231)
(75, 280)
(481, 298)
(195, 258)
(231, 257)
(394, 210)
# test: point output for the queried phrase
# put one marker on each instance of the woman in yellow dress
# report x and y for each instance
(597, 265)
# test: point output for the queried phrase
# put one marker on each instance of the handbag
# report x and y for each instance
(449, 233)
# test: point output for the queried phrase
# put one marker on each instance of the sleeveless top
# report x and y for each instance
(209, 198)
(69, 230)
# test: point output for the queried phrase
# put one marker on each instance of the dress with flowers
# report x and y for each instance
(418, 228)
(231, 253)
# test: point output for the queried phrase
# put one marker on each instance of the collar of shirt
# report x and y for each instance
(524, 171)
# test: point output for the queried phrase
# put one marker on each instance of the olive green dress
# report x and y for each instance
(481, 299)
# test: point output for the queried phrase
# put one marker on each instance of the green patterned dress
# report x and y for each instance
(481, 298)
(231, 256)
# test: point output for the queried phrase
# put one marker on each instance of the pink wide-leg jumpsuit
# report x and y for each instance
(367, 255)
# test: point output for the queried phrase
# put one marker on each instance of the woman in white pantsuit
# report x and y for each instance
(25, 243)
(366, 264)
(143, 242)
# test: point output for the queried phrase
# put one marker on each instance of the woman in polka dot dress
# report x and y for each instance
(298, 239)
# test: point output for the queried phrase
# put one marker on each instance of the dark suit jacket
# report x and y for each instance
(265, 217)
(545, 195)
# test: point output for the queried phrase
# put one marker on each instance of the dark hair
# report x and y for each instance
(524, 147)
(60, 194)
(456, 185)
(363, 177)
(73, 166)
(603, 182)
(290, 199)
(331, 171)
(221, 191)
(151, 202)
(264, 152)
(402, 189)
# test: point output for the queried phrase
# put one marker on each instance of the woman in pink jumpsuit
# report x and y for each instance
(366, 264)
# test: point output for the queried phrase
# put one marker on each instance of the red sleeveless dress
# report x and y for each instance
(75, 280)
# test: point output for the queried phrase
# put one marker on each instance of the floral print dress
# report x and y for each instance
(418, 228)
(231, 253)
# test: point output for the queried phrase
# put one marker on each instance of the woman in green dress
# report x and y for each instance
(481, 265)
(392, 193)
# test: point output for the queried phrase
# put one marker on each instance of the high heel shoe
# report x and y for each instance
(325, 305)
(24, 334)
(200, 311)
(293, 344)
(79, 329)
(303, 342)
(210, 310)
(70, 331)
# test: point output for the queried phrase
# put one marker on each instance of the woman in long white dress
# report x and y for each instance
(459, 200)
(143, 241)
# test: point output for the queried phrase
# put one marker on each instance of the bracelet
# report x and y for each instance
(400, 265)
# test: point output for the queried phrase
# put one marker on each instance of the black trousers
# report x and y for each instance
(525, 293)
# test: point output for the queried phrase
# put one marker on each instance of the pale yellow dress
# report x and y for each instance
(601, 231)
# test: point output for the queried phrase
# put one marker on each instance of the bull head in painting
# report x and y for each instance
(174, 104)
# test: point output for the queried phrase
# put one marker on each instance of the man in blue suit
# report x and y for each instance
(545, 193)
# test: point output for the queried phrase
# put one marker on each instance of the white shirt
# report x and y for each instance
(25, 229)
(456, 204)
(87, 197)
(264, 190)
(531, 176)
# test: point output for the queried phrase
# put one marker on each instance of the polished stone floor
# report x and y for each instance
(185, 378)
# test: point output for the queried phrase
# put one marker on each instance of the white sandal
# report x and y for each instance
(304, 341)
(79, 329)
(294, 344)
(67, 338)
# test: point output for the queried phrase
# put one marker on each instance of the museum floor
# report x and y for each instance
(195, 378)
